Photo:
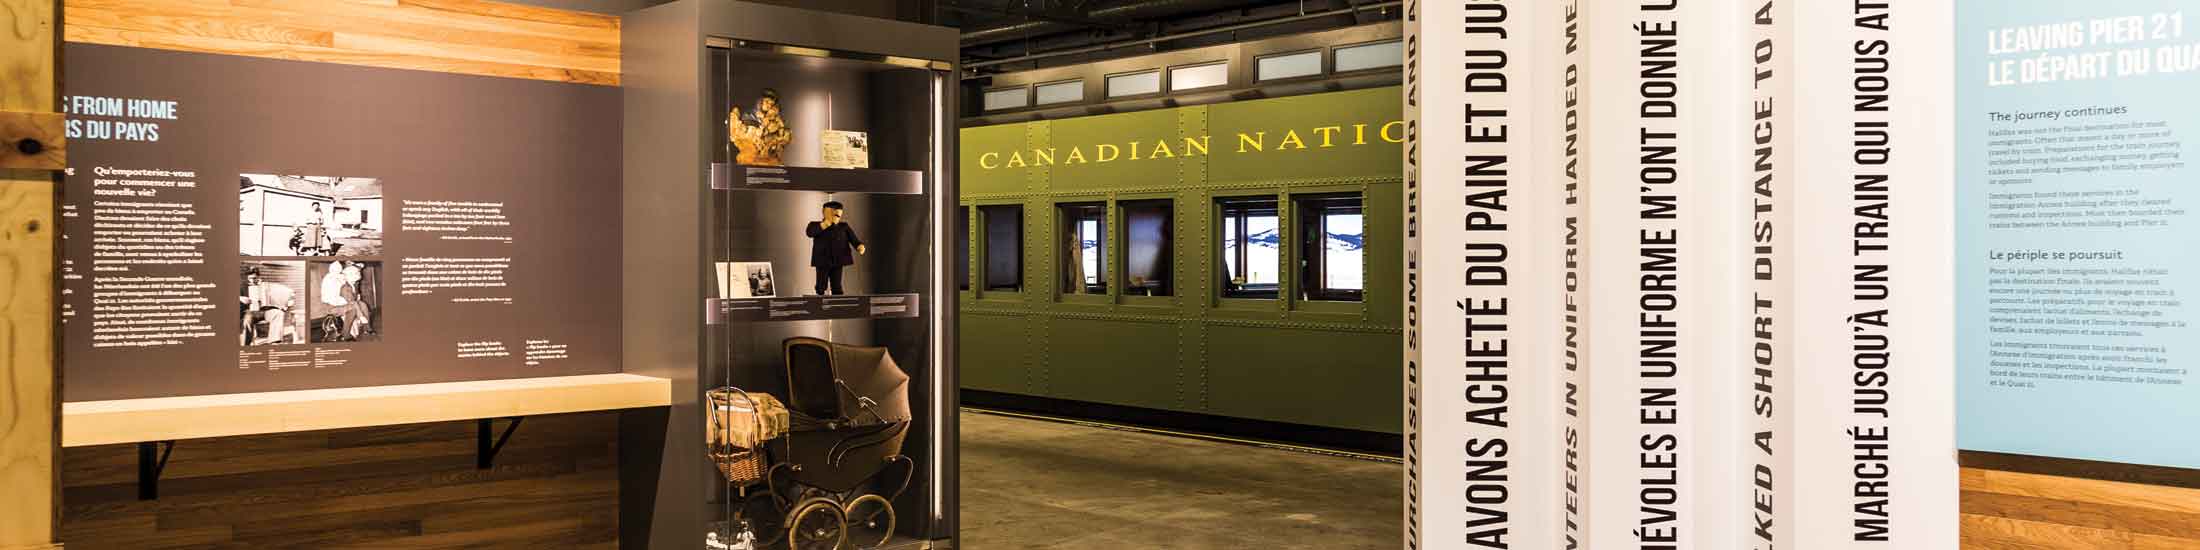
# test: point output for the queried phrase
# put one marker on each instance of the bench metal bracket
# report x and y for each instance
(486, 448)
(152, 460)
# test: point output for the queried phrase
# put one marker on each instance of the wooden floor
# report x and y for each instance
(2021, 511)
(555, 485)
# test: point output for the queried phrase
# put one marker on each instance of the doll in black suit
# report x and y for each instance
(833, 245)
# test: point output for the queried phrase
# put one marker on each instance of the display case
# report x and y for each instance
(787, 188)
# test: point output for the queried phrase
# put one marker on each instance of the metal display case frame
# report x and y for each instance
(671, 245)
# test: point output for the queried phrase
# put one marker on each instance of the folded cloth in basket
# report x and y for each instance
(774, 415)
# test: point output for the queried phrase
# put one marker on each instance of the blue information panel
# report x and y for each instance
(2076, 238)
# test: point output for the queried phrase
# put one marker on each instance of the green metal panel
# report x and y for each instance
(994, 348)
(1335, 136)
(1140, 366)
(1121, 151)
(1329, 364)
(1321, 378)
(990, 140)
(1385, 256)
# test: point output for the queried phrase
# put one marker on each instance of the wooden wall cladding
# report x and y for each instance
(454, 36)
(29, 401)
(554, 485)
(2005, 510)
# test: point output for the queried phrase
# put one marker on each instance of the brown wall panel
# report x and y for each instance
(475, 37)
(554, 485)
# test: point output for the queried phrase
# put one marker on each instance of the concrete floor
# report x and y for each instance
(1032, 484)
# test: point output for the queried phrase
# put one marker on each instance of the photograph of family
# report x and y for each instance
(746, 280)
(309, 215)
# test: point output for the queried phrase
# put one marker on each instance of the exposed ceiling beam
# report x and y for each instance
(1152, 40)
(1114, 15)
(1051, 15)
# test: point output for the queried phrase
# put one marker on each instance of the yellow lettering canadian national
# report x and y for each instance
(1247, 142)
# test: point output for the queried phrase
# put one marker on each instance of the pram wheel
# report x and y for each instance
(870, 521)
(817, 525)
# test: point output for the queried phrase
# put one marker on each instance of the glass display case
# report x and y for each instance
(822, 241)
(788, 271)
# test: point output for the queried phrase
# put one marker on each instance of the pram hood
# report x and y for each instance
(853, 374)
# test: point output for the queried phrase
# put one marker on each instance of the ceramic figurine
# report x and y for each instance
(760, 137)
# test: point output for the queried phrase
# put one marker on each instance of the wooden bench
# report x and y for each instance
(155, 424)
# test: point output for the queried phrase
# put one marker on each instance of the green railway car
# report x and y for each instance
(1217, 266)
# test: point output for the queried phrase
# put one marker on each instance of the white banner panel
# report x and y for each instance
(1874, 451)
(1677, 275)
(1483, 446)
(1669, 317)
(1563, 157)
(1768, 377)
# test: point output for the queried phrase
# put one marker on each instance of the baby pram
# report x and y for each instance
(846, 415)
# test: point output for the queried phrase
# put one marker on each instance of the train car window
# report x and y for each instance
(962, 248)
(1251, 247)
(1004, 246)
(1084, 234)
(1375, 55)
(1009, 98)
(1332, 232)
(1068, 91)
(1149, 251)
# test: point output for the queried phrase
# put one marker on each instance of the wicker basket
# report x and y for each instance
(742, 470)
(740, 423)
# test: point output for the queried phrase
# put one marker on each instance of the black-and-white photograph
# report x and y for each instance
(746, 280)
(759, 277)
(845, 149)
(270, 300)
(346, 303)
(309, 215)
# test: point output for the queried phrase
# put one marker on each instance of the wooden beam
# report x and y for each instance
(477, 37)
(32, 141)
(30, 397)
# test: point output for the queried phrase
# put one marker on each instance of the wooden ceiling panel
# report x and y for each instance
(476, 37)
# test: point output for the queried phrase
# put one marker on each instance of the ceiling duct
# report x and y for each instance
(1120, 12)
(975, 66)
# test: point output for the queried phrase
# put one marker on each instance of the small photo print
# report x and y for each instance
(271, 303)
(346, 303)
(759, 275)
(746, 280)
(309, 215)
(844, 149)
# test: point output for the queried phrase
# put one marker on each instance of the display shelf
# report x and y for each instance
(726, 176)
(811, 308)
(88, 423)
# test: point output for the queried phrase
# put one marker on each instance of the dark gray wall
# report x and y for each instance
(426, 136)
(661, 478)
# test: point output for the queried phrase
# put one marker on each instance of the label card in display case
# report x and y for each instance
(831, 180)
(811, 308)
